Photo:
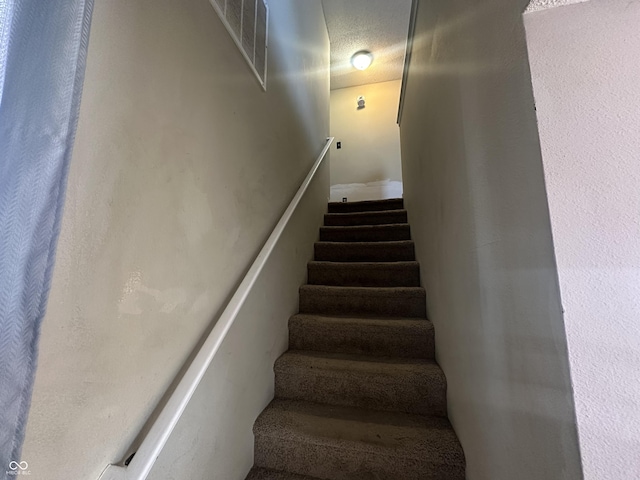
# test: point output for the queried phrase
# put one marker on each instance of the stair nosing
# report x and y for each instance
(308, 286)
(399, 263)
(308, 316)
(362, 358)
(381, 226)
(374, 242)
(378, 200)
(371, 212)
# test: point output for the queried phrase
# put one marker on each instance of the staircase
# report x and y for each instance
(359, 395)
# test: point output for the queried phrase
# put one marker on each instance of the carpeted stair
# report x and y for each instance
(359, 395)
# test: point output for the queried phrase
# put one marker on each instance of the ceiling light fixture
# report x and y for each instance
(361, 60)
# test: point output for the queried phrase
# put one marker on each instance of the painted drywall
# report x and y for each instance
(369, 136)
(181, 168)
(474, 190)
(214, 438)
(356, 192)
(536, 5)
(585, 69)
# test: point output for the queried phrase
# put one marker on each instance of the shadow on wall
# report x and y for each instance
(299, 74)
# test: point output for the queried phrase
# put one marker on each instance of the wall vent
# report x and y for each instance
(247, 22)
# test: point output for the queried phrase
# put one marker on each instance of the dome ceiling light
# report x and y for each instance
(362, 59)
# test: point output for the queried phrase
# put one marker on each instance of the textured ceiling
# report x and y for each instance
(379, 26)
(536, 5)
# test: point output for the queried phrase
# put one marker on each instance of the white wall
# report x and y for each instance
(370, 136)
(535, 5)
(585, 68)
(356, 192)
(474, 190)
(214, 438)
(182, 166)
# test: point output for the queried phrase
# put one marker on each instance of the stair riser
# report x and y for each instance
(404, 342)
(381, 233)
(354, 275)
(370, 252)
(367, 206)
(409, 392)
(411, 306)
(365, 219)
(331, 463)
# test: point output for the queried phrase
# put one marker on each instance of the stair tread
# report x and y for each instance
(364, 273)
(380, 244)
(382, 226)
(364, 321)
(389, 265)
(356, 362)
(380, 337)
(413, 385)
(384, 251)
(390, 434)
(363, 301)
(363, 289)
(367, 214)
(373, 233)
(359, 367)
(257, 473)
(374, 265)
(393, 325)
(381, 217)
